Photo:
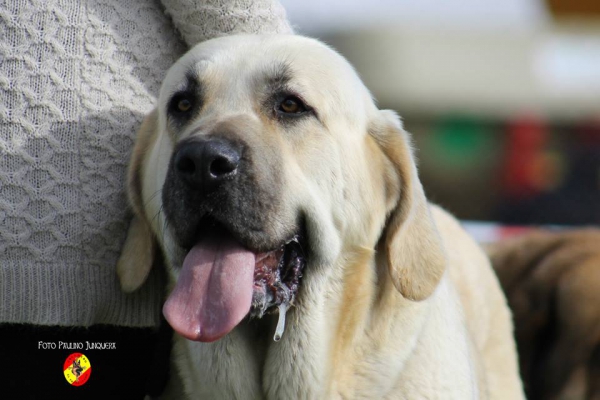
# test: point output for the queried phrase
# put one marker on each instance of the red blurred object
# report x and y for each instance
(507, 231)
(527, 139)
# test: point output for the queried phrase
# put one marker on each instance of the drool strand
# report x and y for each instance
(283, 307)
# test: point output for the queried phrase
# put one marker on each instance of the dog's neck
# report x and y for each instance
(327, 346)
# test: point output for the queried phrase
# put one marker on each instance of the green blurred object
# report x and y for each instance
(461, 143)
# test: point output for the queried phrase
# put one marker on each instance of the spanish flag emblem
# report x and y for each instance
(77, 369)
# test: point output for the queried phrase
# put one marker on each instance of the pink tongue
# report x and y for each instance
(214, 290)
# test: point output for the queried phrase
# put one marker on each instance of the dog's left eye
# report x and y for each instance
(292, 105)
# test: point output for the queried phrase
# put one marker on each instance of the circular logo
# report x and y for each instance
(77, 369)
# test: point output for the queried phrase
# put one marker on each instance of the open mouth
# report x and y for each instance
(221, 282)
(277, 276)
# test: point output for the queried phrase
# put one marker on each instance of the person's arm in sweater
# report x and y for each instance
(201, 20)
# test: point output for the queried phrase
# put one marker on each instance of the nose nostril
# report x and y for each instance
(203, 164)
(222, 166)
(186, 165)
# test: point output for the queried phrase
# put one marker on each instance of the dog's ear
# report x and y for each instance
(139, 249)
(413, 247)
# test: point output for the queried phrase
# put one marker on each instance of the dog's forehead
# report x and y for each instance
(242, 60)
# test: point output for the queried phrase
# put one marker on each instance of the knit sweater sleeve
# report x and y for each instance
(199, 20)
(76, 79)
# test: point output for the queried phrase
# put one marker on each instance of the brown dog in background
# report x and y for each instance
(552, 281)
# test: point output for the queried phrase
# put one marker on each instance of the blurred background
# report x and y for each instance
(502, 98)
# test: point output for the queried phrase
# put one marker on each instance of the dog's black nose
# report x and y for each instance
(204, 164)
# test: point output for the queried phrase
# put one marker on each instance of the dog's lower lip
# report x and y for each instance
(277, 277)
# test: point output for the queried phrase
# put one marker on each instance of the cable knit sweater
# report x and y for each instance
(76, 78)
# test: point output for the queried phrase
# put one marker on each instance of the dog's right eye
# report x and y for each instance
(184, 104)
(181, 103)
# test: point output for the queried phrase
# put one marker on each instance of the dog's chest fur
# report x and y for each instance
(308, 364)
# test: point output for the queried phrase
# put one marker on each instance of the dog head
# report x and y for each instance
(266, 153)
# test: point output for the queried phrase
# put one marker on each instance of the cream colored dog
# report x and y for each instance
(274, 187)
